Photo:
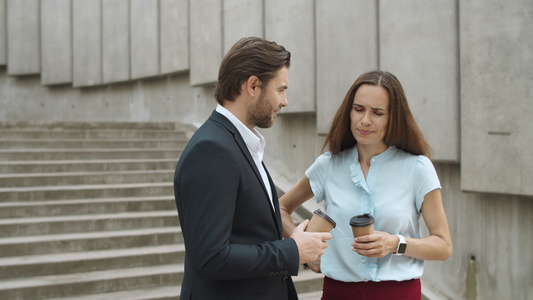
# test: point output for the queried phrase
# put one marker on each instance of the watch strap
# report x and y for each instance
(402, 245)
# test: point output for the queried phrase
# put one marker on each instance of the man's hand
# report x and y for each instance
(315, 266)
(311, 245)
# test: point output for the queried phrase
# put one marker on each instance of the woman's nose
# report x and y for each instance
(365, 120)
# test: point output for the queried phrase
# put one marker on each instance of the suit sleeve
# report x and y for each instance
(207, 186)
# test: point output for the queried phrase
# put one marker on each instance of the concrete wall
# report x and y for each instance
(419, 43)
(465, 66)
(342, 27)
(496, 96)
(56, 42)
(23, 46)
(491, 234)
(3, 33)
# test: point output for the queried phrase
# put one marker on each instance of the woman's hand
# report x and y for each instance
(375, 245)
(436, 246)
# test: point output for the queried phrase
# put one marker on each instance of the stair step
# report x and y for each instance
(86, 223)
(70, 285)
(89, 261)
(92, 143)
(89, 241)
(87, 153)
(86, 191)
(87, 212)
(104, 126)
(85, 206)
(30, 133)
(316, 295)
(154, 293)
(78, 178)
(307, 281)
(94, 165)
(166, 293)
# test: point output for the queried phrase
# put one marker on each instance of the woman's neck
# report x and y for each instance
(366, 152)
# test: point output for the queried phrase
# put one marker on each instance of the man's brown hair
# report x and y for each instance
(248, 57)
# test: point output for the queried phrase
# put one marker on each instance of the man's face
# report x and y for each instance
(270, 101)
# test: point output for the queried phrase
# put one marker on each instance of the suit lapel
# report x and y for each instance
(240, 142)
(217, 117)
(277, 214)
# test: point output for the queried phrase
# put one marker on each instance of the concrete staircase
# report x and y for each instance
(87, 212)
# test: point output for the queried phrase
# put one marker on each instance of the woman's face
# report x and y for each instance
(370, 115)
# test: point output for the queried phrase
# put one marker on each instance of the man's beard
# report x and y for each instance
(261, 113)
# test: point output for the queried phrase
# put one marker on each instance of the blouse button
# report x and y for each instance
(363, 260)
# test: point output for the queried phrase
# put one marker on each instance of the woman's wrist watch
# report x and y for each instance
(402, 245)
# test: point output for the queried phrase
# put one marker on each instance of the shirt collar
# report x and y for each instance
(253, 139)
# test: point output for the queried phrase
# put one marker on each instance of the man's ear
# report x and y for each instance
(252, 85)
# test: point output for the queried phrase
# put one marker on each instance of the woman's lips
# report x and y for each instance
(364, 132)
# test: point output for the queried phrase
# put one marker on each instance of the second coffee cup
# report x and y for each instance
(362, 225)
(320, 222)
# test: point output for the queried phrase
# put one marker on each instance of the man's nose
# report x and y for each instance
(284, 102)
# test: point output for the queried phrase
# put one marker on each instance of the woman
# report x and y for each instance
(377, 164)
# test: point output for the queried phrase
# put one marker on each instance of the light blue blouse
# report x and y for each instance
(392, 193)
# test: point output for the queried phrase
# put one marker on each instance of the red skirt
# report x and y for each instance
(371, 290)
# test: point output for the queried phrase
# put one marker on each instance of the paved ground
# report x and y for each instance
(310, 296)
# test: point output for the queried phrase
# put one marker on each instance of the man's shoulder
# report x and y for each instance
(211, 136)
(211, 130)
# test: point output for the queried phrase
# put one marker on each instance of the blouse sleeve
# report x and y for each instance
(317, 174)
(426, 179)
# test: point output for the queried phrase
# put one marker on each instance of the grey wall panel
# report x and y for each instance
(291, 24)
(206, 40)
(242, 18)
(3, 33)
(496, 96)
(87, 42)
(174, 30)
(115, 41)
(144, 24)
(23, 48)
(56, 40)
(203, 102)
(346, 46)
(493, 229)
(167, 99)
(419, 44)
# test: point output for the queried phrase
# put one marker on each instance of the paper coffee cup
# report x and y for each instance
(320, 222)
(362, 225)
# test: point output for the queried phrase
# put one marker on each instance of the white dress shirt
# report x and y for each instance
(255, 143)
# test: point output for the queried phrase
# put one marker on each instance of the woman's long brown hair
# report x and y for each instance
(402, 131)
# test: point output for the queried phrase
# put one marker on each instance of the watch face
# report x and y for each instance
(401, 248)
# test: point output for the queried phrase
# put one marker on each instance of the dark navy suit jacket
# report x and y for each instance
(233, 238)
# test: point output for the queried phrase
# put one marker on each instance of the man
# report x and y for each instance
(227, 203)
